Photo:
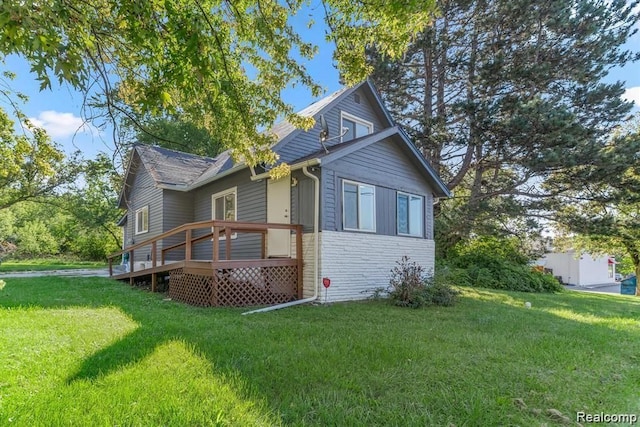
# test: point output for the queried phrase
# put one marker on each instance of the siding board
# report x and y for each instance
(307, 143)
(252, 207)
(177, 210)
(144, 193)
(302, 201)
(328, 194)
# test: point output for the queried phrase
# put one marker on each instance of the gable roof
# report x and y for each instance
(180, 171)
(398, 135)
(284, 128)
(168, 168)
(285, 131)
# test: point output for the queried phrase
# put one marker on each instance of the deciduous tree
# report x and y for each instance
(221, 65)
(31, 165)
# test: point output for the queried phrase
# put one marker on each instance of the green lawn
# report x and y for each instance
(90, 351)
(47, 264)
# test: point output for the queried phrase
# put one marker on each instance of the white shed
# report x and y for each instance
(580, 269)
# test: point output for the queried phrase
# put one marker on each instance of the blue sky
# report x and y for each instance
(60, 110)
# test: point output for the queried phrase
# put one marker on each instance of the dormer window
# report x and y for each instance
(354, 126)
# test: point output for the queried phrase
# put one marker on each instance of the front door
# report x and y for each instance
(279, 212)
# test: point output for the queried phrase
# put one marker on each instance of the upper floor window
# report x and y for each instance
(142, 220)
(410, 214)
(358, 206)
(355, 127)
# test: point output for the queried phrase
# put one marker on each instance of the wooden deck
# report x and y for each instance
(218, 282)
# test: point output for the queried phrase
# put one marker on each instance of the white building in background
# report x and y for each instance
(579, 269)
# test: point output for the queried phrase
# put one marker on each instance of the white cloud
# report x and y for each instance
(632, 94)
(60, 125)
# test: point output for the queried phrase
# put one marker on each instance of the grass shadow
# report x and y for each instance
(130, 349)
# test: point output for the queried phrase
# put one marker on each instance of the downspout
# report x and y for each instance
(316, 250)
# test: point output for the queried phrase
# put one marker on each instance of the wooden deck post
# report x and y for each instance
(227, 243)
(154, 247)
(189, 247)
(131, 267)
(300, 284)
(110, 267)
(154, 281)
(214, 288)
(154, 278)
(216, 243)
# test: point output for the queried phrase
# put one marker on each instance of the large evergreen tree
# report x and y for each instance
(507, 100)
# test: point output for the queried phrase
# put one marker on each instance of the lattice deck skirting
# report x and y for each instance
(235, 287)
(193, 289)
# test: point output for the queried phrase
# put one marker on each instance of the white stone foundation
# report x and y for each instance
(359, 263)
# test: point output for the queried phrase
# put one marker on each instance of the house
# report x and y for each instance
(362, 203)
(580, 269)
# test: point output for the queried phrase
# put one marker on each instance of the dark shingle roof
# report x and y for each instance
(169, 167)
(176, 169)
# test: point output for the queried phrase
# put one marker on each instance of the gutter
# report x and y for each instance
(296, 166)
(316, 235)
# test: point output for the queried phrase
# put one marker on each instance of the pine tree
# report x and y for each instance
(506, 99)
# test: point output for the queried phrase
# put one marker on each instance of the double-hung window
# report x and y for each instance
(358, 206)
(224, 206)
(142, 220)
(410, 214)
(354, 127)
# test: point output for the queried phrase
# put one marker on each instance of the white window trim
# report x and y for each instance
(409, 213)
(234, 191)
(138, 211)
(345, 115)
(346, 181)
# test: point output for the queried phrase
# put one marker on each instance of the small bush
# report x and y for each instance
(411, 286)
(440, 293)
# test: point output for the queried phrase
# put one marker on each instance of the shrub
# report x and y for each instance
(487, 251)
(440, 293)
(411, 286)
(490, 262)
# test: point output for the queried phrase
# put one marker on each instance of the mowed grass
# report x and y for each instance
(90, 351)
(43, 264)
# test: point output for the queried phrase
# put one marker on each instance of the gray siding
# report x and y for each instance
(381, 164)
(385, 211)
(302, 201)
(177, 210)
(306, 143)
(144, 193)
(329, 191)
(125, 232)
(429, 216)
(252, 207)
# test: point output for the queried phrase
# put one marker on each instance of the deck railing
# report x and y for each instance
(217, 233)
